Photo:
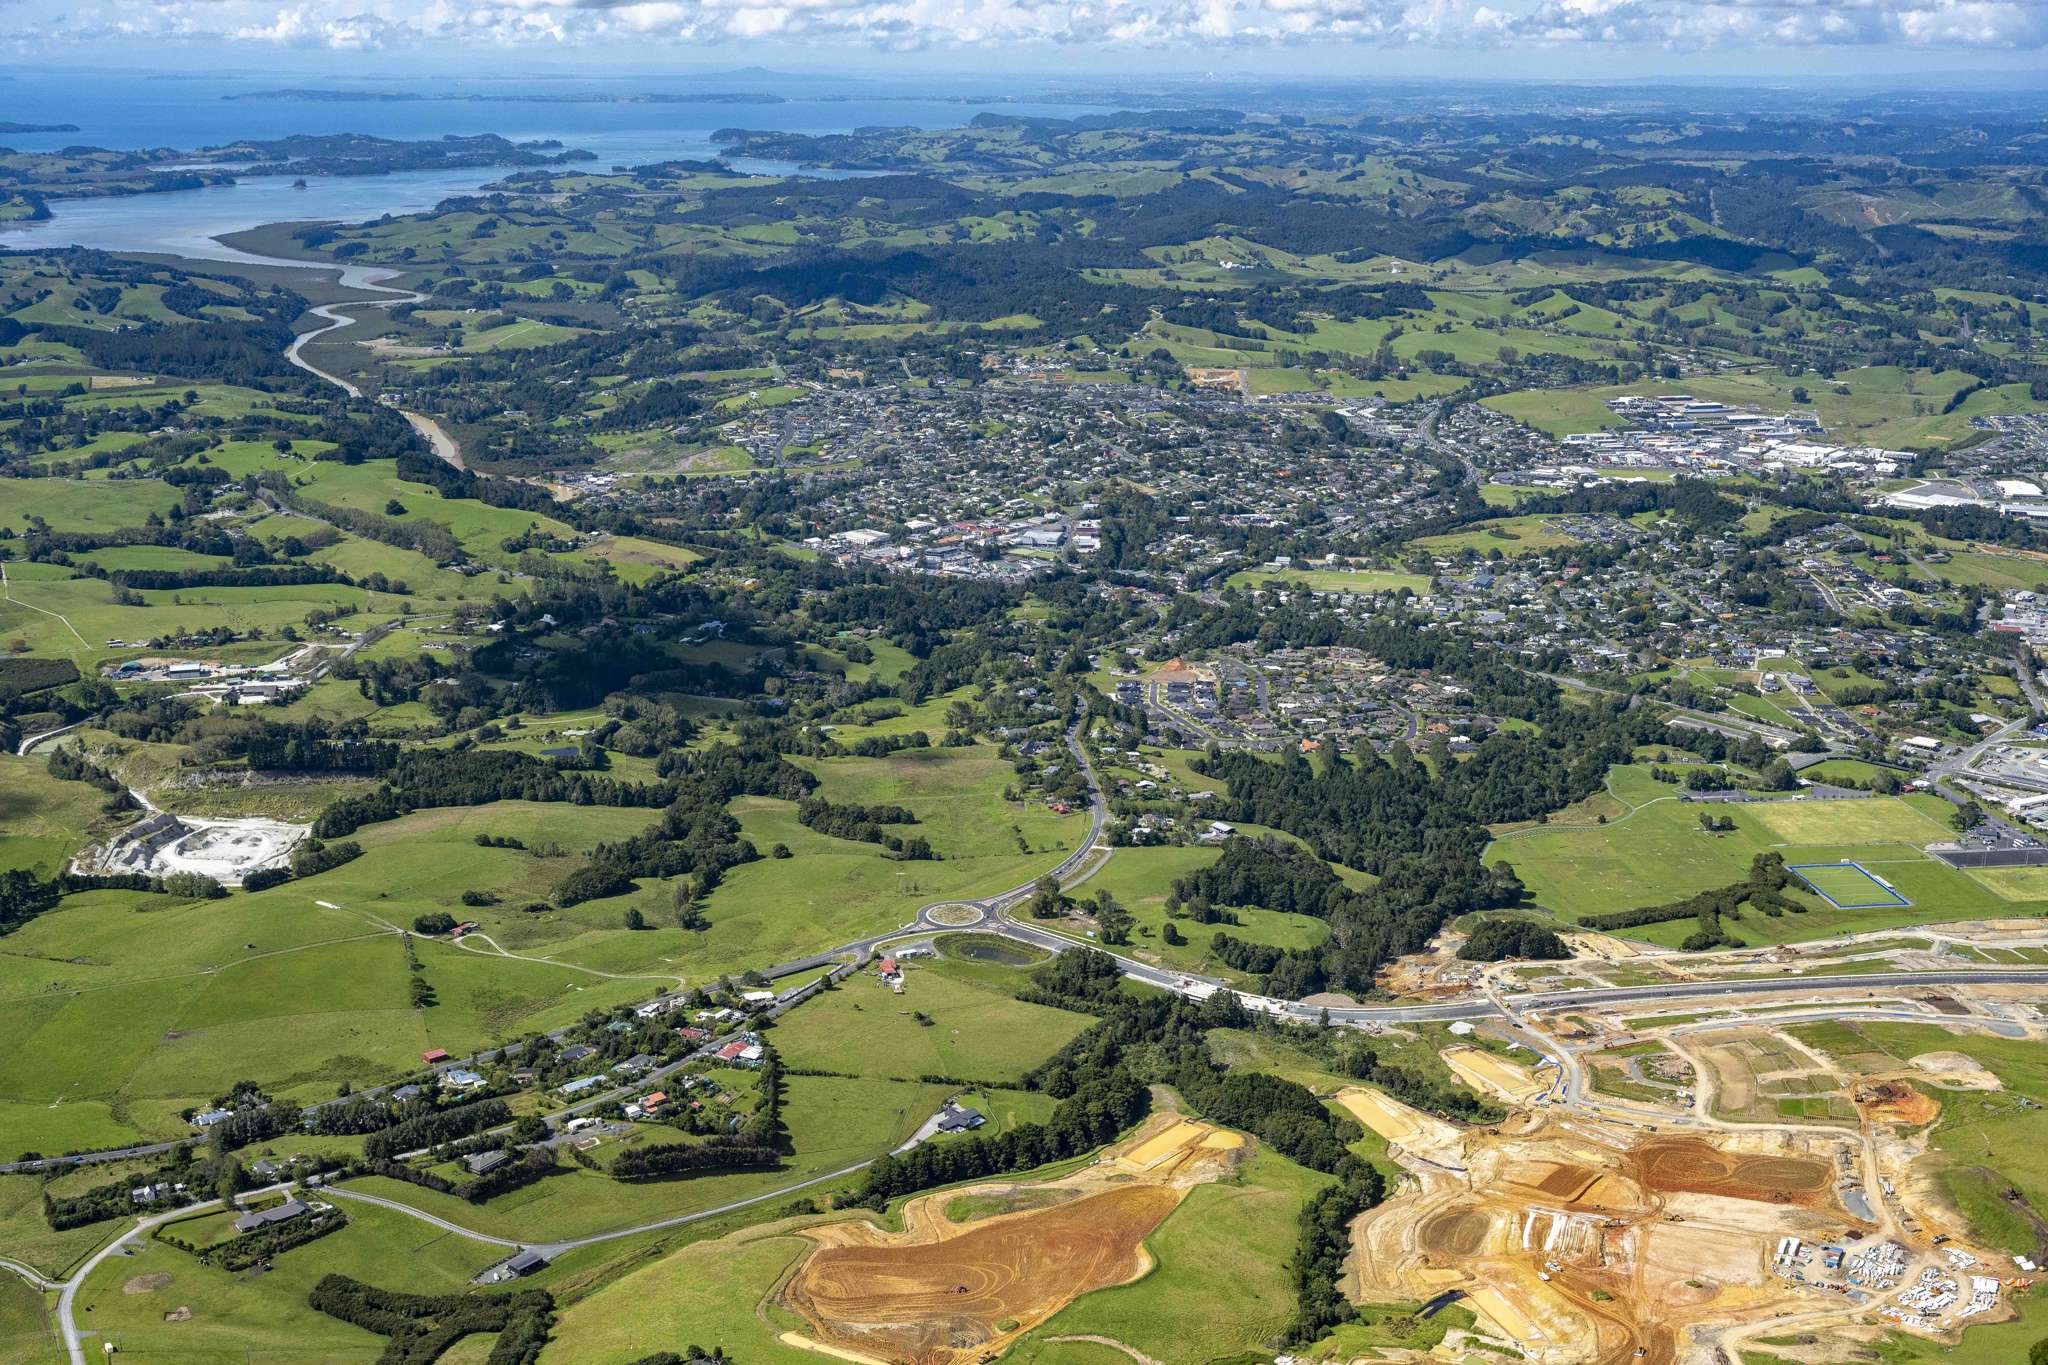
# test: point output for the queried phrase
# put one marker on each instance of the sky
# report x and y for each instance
(1573, 39)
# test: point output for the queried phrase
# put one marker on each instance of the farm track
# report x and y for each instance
(7, 589)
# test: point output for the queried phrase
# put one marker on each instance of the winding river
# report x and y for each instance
(370, 279)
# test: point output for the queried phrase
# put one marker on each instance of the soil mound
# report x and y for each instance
(1896, 1102)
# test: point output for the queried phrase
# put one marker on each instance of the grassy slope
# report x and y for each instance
(979, 1031)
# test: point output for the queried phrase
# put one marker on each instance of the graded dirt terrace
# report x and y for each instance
(945, 1293)
(900, 1299)
(1687, 1165)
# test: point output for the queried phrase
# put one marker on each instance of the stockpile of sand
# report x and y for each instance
(1955, 1071)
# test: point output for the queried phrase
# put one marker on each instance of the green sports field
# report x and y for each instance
(1848, 885)
(1329, 580)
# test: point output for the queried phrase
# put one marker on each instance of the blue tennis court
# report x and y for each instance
(1849, 886)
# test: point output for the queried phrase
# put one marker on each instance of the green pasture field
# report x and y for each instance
(82, 505)
(637, 560)
(709, 1292)
(44, 821)
(889, 719)
(1509, 535)
(27, 1235)
(237, 1317)
(118, 558)
(425, 581)
(300, 1022)
(980, 1030)
(1986, 1140)
(75, 617)
(830, 890)
(275, 987)
(1141, 878)
(368, 486)
(27, 1335)
(523, 335)
(1658, 853)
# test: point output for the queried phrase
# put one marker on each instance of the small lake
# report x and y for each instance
(980, 948)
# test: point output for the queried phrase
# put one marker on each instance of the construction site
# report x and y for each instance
(1575, 1241)
(945, 1293)
(1583, 1231)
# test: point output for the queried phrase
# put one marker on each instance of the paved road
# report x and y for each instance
(380, 1201)
(30, 742)
(29, 1273)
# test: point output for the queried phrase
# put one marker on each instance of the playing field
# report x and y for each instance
(1877, 821)
(1848, 886)
(1330, 580)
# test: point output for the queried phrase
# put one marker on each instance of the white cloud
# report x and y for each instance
(305, 27)
(991, 25)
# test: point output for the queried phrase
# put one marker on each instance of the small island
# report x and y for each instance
(37, 128)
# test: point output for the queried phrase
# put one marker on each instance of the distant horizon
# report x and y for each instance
(309, 72)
